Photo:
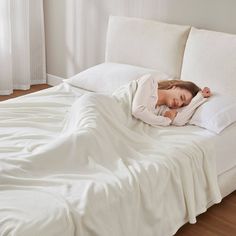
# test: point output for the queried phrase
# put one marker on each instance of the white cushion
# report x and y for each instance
(146, 43)
(210, 60)
(107, 77)
(216, 114)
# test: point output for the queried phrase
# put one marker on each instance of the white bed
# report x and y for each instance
(54, 200)
(225, 160)
(74, 162)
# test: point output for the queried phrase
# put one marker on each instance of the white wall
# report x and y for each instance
(76, 29)
(218, 15)
(54, 13)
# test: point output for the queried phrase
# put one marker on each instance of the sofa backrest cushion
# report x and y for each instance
(146, 43)
(210, 60)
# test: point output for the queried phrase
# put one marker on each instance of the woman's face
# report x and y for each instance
(177, 97)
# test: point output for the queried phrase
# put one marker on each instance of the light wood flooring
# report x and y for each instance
(219, 220)
(16, 93)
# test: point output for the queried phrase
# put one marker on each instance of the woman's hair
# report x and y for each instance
(188, 85)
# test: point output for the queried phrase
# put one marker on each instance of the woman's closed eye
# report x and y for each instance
(183, 99)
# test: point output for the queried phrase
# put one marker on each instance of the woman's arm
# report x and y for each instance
(142, 113)
(141, 107)
(185, 113)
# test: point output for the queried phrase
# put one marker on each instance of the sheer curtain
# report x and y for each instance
(22, 45)
(85, 23)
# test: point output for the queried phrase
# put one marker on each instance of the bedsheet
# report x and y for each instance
(225, 149)
(74, 164)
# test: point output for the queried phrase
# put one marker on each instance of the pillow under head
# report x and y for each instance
(106, 77)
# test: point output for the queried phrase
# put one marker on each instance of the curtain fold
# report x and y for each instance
(86, 25)
(22, 45)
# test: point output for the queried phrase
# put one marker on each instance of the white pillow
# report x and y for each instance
(210, 60)
(216, 114)
(107, 77)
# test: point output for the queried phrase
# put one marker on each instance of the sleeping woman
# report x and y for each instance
(162, 103)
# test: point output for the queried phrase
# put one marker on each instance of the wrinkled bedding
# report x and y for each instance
(79, 164)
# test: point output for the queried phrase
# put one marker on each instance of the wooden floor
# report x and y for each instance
(219, 220)
(17, 93)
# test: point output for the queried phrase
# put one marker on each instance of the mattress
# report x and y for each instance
(225, 149)
(224, 144)
(225, 157)
(65, 161)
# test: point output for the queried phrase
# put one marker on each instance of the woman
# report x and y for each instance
(167, 102)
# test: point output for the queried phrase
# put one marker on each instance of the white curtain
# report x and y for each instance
(86, 24)
(22, 45)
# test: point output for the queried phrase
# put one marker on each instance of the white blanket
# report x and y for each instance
(92, 169)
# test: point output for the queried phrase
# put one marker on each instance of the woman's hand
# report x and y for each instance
(206, 92)
(171, 114)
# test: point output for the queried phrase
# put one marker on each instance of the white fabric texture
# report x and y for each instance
(216, 114)
(209, 60)
(25, 212)
(144, 106)
(225, 150)
(146, 43)
(22, 46)
(107, 77)
(227, 182)
(146, 181)
(144, 103)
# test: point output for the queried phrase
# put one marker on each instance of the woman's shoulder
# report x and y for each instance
(146, 80)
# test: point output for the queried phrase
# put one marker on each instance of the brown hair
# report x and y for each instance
(188, 85)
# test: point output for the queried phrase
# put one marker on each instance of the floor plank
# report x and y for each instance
(16, 93)
(219, 220)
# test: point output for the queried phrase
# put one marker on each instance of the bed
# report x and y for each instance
(73, 161)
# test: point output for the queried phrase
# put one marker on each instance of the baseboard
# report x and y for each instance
(54, 80)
